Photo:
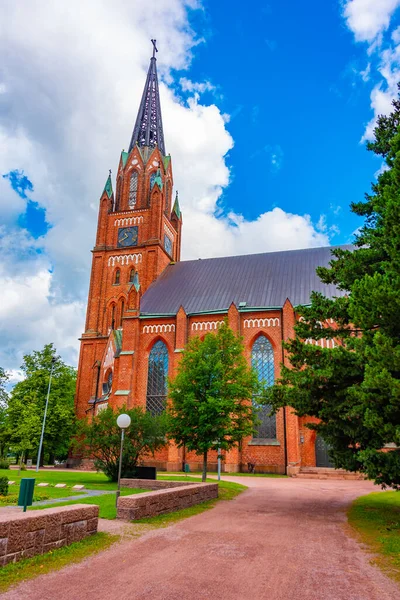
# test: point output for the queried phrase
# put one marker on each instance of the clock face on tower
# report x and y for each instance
(127, 236)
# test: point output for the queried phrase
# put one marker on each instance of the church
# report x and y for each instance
(145, 303)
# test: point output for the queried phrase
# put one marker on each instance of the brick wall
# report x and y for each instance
(23, 535)
(160, 501)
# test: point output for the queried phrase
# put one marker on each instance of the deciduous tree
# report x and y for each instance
(211, 394)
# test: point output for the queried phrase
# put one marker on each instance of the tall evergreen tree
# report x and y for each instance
(354, 388)
(27, 403)
(211, 394)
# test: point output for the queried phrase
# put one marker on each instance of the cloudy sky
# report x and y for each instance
(266, 110)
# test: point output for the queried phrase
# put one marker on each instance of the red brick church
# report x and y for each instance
(145, 303)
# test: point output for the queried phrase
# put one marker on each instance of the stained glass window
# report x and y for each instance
(262, 360)
(113, 316)
(168, 244)
(133, 187)
(132, 276)
(157, 379)
(122, 312)
(117, 276)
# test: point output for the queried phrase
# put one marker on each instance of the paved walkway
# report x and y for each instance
(283, 539)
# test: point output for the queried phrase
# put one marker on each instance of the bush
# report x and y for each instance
(3, 486)
(22, 467)
(100, 439)
(4, 464)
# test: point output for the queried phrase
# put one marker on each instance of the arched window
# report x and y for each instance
(133, 188)
(157, 378)
(113, 316)
(107, 384)
(262, 361)
(167, 186)
(132, 276)
(121, 314)
(117, 276)
(119, 192)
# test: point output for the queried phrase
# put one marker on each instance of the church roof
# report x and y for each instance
(258, 280)
(148, 130)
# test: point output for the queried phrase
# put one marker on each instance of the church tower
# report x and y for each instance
(138, 235)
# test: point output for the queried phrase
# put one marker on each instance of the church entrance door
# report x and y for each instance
(321, 453)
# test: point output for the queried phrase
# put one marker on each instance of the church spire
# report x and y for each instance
(148, 130)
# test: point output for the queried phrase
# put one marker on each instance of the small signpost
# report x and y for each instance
(25, 497)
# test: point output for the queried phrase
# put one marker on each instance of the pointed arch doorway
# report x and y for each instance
(322, 458)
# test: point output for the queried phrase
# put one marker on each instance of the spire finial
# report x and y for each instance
(148, 130)
(109, 172)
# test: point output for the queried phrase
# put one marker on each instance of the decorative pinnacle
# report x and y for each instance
(155, 49)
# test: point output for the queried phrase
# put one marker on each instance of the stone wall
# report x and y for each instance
(160, 501)
(23, 535)
(155, 484)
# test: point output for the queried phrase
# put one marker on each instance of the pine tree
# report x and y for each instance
(211, 395)
(354, 388)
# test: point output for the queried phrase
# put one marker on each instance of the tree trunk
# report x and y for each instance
(204, 474)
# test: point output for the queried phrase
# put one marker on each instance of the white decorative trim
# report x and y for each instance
(323, 343)
(100, 407)
(158, 328)
(128, 221)
(272, 322)
(124, 259)
(206, 325)
(169, 231)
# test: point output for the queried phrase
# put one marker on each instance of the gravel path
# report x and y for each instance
(81, 496)
(283, 539)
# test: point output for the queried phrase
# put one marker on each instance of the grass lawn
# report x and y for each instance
(106, 503)
(198, 474)
(91, 480)
(55, 559)
(376, 518)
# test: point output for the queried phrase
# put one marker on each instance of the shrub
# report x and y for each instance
(4, 464)
(4, 486)
(22, 467)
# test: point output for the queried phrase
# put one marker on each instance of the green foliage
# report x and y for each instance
(211, 394)
(355, 388)
(3, 486)
(376, 518)
(100, 439)
(4, 433)
(4, 464)
(27, 404)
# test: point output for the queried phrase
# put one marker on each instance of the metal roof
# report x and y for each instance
(259, 280)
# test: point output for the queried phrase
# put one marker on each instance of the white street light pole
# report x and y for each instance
(53, 362)
(219, 464)
(123, 421)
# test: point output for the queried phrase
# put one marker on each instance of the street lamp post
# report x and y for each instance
(53, 362)
(123, 422)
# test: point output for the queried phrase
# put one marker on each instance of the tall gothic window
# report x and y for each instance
(262, 361)
(152, 178)
(167, 195)
(122, 306)
(133, 188)
(113, 316)
(117, 277)
(157, 379)
(132, 276)
(119, 191)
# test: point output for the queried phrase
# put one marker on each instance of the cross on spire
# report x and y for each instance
(148, 130)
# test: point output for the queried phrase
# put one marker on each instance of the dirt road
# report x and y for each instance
(283, 539)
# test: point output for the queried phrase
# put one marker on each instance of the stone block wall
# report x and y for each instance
(160, 501)
(154, 484)
(23, 535)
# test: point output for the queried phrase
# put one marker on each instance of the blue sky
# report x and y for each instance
(289, 74)
(266, 108)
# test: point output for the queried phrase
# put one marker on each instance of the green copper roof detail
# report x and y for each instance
(135, 282)
(108, 186)
(177, 209)
(166, 161)
(157, 180)
(118, 340)
(124, 156)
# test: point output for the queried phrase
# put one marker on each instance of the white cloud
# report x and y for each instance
(368, 19)
(70, 88)
(192, 86)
